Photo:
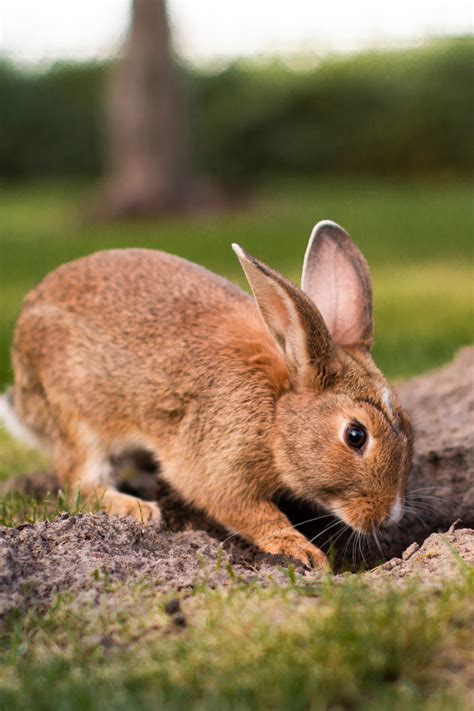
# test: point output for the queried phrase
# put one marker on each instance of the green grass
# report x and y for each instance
(345, 646)
(18, 508)
(331, 646)
(417, 239)
(16, 459)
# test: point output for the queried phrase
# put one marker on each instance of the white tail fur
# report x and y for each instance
(14, 426)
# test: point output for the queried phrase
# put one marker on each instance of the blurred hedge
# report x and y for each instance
(50, 123)
(404, 113)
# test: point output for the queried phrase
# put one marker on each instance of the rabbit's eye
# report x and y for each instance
(355, 436)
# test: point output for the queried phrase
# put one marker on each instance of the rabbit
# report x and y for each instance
(239, 398)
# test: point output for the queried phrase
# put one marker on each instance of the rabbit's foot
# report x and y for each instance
(299, 548)
(119, 504)
(265, 525)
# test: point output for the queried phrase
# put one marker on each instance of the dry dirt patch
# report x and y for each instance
(76, 553)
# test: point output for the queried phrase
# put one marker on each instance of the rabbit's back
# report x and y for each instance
(136, 286)
(128, 330)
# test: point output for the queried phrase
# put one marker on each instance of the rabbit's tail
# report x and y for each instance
(14, 425)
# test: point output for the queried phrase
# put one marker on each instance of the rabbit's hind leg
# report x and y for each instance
(85, 468)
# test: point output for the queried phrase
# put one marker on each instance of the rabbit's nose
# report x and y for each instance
(397, 510)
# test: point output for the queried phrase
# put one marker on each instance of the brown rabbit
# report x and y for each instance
(239, 398)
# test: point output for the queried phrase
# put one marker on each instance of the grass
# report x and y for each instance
(417, 239)
(342, 646)
(14, 458)
(332, 646)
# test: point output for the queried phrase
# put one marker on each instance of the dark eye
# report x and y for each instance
(355, 436)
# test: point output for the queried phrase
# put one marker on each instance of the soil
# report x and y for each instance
(78, 553)
(441, 405)
(74, 553)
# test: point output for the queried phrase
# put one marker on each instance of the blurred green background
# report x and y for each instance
(385, 113)
(416, 236)
(379, 142)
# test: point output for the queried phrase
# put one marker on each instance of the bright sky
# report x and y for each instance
(209, 30)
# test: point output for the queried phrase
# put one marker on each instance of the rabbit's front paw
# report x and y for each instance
(298, 547)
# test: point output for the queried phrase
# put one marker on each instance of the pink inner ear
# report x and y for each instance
(332, 282)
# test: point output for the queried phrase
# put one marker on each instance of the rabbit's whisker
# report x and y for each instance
(347, 545)
(360, 546)
(423, 505)
(424, 488)
(434, 418)
(424, 497)
(341, 532)
(410, 510)
(354, 547)
(274, 520)
(325, 530)
(377, 541)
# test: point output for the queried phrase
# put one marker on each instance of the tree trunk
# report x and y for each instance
(148, 158)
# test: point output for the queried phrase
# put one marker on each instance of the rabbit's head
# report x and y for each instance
(340, 436)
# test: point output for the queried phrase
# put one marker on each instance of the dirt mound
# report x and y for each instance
(36, 562)
(79, 554)
(441, 405)
(441, 556)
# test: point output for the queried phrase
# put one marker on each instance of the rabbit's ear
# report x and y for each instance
(292, 319)
(336, 277)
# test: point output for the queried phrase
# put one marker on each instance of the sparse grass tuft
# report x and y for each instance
(344, 646)
(17, 508)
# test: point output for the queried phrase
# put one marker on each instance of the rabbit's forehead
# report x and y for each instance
(366, 387)
(369, 412)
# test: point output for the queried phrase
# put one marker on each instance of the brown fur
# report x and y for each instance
(139, 348)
